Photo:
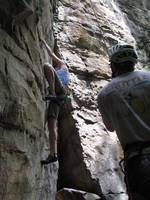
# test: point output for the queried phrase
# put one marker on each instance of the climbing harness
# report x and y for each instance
(59, 100)
(132, 150)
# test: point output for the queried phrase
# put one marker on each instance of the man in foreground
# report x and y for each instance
(124, 104)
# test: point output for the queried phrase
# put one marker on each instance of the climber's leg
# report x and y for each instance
(55, 87)
(53, 112)
(52, 127)
(50, 77)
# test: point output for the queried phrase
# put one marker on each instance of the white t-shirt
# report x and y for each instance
(125, 107)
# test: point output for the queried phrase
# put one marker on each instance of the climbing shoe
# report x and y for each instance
(50, 159)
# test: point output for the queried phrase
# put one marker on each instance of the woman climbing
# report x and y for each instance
(58, 79)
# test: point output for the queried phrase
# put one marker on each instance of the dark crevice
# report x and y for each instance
(38, 81)
(31, 33)
(20, 31)
(66, 179)
(6, 69)
(6, 21)
(20, 127)
(7, 48)
(28, 50)
(10, 126)
(17, 41)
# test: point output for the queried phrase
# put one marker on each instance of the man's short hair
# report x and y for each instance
(126, 66)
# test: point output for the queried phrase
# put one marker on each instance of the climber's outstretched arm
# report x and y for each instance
(52, 55)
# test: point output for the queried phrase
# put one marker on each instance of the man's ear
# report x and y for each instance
(112, 66)
(113, 69)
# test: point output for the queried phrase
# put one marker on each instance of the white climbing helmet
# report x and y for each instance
(123, 52)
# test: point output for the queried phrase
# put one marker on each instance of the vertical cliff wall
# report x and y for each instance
(22, 136)
(88, 154)
(86, 29)
(137, 16)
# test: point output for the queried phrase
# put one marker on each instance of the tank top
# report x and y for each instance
(63, 76)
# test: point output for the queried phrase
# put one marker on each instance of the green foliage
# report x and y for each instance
(146, 67)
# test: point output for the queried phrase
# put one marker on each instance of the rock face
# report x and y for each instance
(137, 15)
(89, 155)
(22, 136)
(70, 194)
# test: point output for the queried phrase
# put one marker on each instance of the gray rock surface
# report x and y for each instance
(137, 15)
(22, 136)
(90, 154)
